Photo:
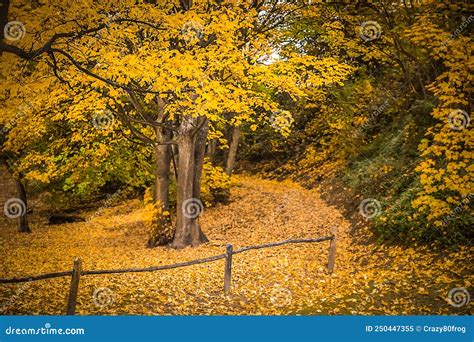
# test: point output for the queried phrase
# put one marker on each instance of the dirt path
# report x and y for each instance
(368, 279)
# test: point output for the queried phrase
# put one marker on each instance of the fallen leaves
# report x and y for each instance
(291, 279)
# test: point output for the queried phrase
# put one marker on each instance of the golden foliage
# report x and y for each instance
(446, 170)
(368, 279)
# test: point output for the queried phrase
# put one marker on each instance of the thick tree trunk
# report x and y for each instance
(23, 222)
(232, 154)
(188, 231)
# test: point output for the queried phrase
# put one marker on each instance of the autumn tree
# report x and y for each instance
(167, 71)
(17, 207)
(398, 131)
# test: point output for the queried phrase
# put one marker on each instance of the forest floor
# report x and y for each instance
(291, 279)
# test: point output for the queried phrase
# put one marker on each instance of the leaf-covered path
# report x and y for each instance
(368, 279)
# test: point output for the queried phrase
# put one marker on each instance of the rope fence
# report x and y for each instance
(77, 271)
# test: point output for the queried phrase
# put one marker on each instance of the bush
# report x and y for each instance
(215, 184)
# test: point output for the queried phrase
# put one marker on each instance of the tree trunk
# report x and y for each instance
(161, 232)
(162, 175)
(188, 231)
(232, 154)
(174, 159)
(199, 154)
(23, 222)
(211, 150)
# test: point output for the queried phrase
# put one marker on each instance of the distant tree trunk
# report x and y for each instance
(211, 150)
(174, 159)
(23, 223)
(232, 154)
(199, 154)
(188, 231)
(175, 150)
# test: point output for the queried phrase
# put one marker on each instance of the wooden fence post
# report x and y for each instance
(228, 268)
(332, 249)
(76, 276)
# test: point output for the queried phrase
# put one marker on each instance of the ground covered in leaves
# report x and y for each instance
(292, 279)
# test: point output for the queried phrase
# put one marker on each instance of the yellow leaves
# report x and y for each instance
(281, 122)
(446, 142)
(422, 291)
(386, 169)
(217, 80)
(215, 183)
(367, 280)
(37, 176)
(220, 75)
